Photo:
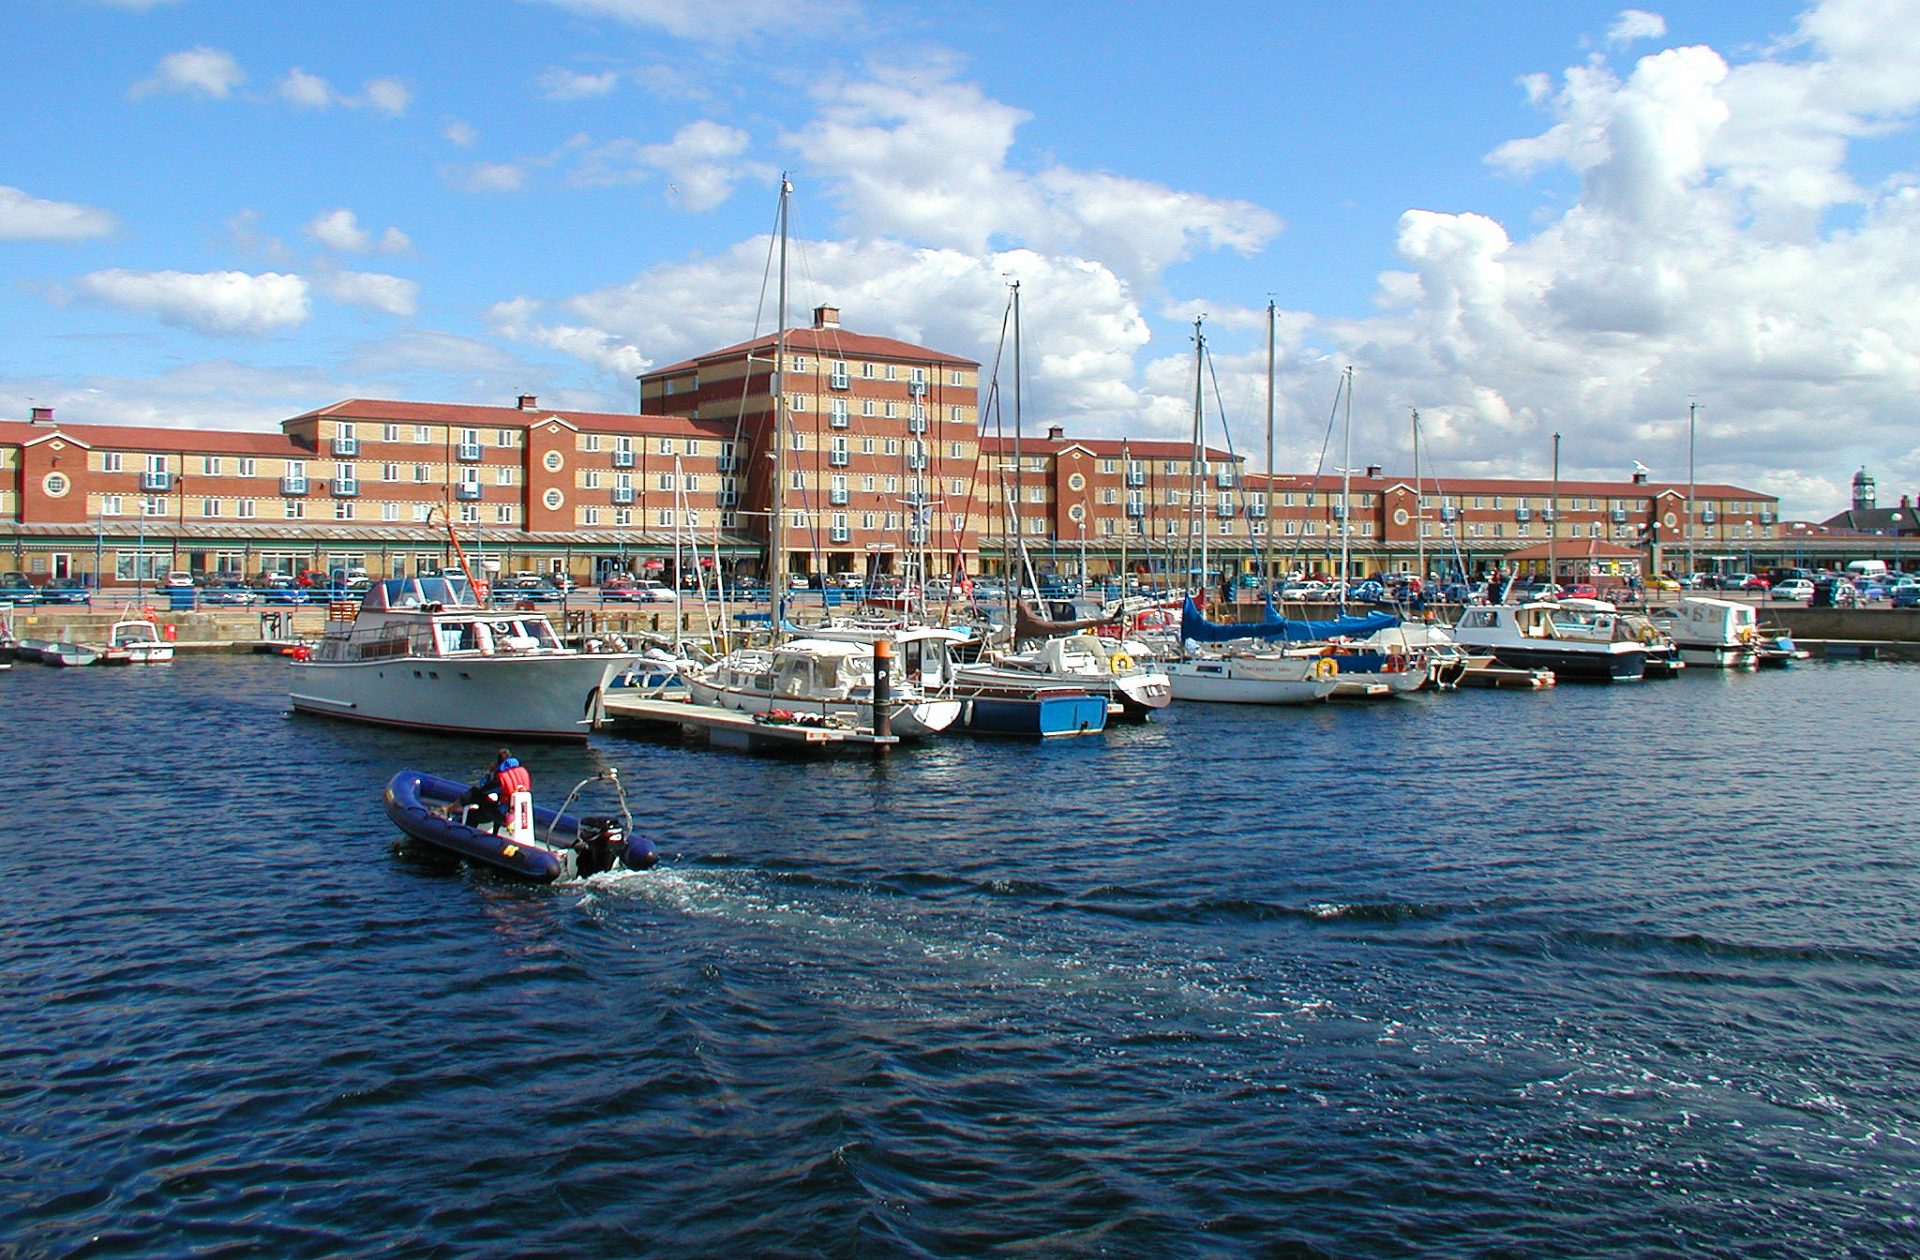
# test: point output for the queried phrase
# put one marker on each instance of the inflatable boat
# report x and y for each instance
(551, 845)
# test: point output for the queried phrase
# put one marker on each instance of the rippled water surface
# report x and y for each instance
(1618, 970)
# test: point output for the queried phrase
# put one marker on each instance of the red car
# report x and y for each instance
(1581, 590)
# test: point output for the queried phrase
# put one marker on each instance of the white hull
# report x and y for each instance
(1720, 655)
(148, 654)
(1249, 680)
(908, 719)
(549, 696)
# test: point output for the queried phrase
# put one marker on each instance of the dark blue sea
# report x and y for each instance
(1628, 971)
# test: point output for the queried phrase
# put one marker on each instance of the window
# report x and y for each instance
(422, 435)
(690, 482)
(153, 507)
(666, 446)
(210, 465)
(110, 461)
(893, 446)
(592, 442)
(246, 466)
(389, 511)
(798, 403)
(389, 472)
(389, 433)
(893, 372)
(469, 514)
(343, 509)
(209, 507)
(419, 473)
(296, 509)
(796, 440)
(663, 481)
(422, 512)
(244, 509)
(503, 437)
(690, 447)
(623, 517)
(664, 517)
(591, 479)
(866, 446)
(955, 414)
(866, 370)
(503, 514)
(503, 476)
(868, 407)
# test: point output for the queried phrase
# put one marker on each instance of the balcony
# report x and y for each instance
(1766, 518)
(1522, 514)
(837, 498)
(837, 418)
(917, 389)
(1619, 516)
(623, 494)
(916, 461)
(156, 481)
(729, 498)
(1339, 511)
(837, 379)
(916, 424)
(293, 485)
(1224, 510)
(838, 459)
(728, 463)
(1549, 514)
(1257, 509)
(1447, 513)
(346, 446)
(840, 534)
(623, 458)
(469, 452)
(1136, 509)
(1136, 477)
(346, 487)
(1708, 516)
(1223, 480)
(467, 490)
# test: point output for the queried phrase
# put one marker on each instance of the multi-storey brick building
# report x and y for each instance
(881, 447)
(882, 462)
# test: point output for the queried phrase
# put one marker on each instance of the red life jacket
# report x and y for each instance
(513, 779)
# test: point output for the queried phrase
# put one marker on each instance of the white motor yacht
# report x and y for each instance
(829, 671)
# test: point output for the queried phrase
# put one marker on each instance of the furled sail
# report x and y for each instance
(1194, 626)
(1028, 626)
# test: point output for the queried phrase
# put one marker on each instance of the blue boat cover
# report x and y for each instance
(1195, 627)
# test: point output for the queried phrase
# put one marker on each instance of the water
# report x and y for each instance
(1622, 970)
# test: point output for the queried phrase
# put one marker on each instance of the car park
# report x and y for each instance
(65, 591)
(1796, 590)
(17, 588)
(653, 591)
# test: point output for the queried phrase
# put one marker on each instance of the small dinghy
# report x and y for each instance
(547, 845)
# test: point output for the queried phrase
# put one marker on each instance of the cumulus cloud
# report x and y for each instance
(372, 290)
(698, 167)
(221, 302)
(202, 71)
(718, 21)
(340, 230)
(927, 158)
(571, 85)
(515, 321)
(1634, 25)
(24, 217)
(310, 91)
(460, 135)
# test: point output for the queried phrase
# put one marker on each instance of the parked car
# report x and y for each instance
(1834, 592)
(1906, 595)
(1535, 591)
(65, 591)
(1580, 590)
(177, 580)
(1661, 582)
(653, 591)
(616, 588)
(1797, 590)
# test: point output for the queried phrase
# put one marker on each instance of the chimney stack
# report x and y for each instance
(1373, 470)
(1055, 433)
(41, 415)
(1639, 479)
(528, 402)
(826, 317)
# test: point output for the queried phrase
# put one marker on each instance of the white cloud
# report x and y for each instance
(222, 302)
(698, 167)
(340, 230)
(202, 71)
(310, 91)
(460, 135)
(1634, 25)
(598, 347)
(569, 85)
(373, 290)
(920, 156)
(719, 21)
(486, 177)
(24, 217)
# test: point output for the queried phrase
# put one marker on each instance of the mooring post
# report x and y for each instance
(882, 693)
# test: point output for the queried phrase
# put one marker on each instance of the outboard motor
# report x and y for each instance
(602, 842)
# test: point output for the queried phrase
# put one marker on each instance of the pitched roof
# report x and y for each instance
(1574, 549)
(1114, 448)
(127, 437)
(833, 343)
(481, 416)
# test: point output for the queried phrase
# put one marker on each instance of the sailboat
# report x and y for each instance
(1232, 664)
(827, 670)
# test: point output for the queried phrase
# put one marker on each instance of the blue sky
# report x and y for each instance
(1520, 219)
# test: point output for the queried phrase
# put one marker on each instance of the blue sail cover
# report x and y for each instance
(1195, 627)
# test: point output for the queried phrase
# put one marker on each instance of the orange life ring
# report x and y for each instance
(1396, 664)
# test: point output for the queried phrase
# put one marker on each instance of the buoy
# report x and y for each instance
(1119, 662)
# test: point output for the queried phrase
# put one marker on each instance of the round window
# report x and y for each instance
(1400, 516)
(56, 485)
(1076, 482)
(554, 461)
(1670, 519)
(553, 499)
(1076, 513)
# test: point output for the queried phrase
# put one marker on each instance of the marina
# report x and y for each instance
(1142, 987)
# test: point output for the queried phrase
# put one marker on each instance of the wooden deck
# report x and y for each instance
(728, 728)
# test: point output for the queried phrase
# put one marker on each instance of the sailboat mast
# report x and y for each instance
(1692, 564)
(1553, 526)
(1266, 550)
(1419, 504)
(777, 518)
(1346, 484)
(1197, 520)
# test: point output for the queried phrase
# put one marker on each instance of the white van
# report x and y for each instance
(1867, 568)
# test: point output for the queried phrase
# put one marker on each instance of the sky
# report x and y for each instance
(1633, 228)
